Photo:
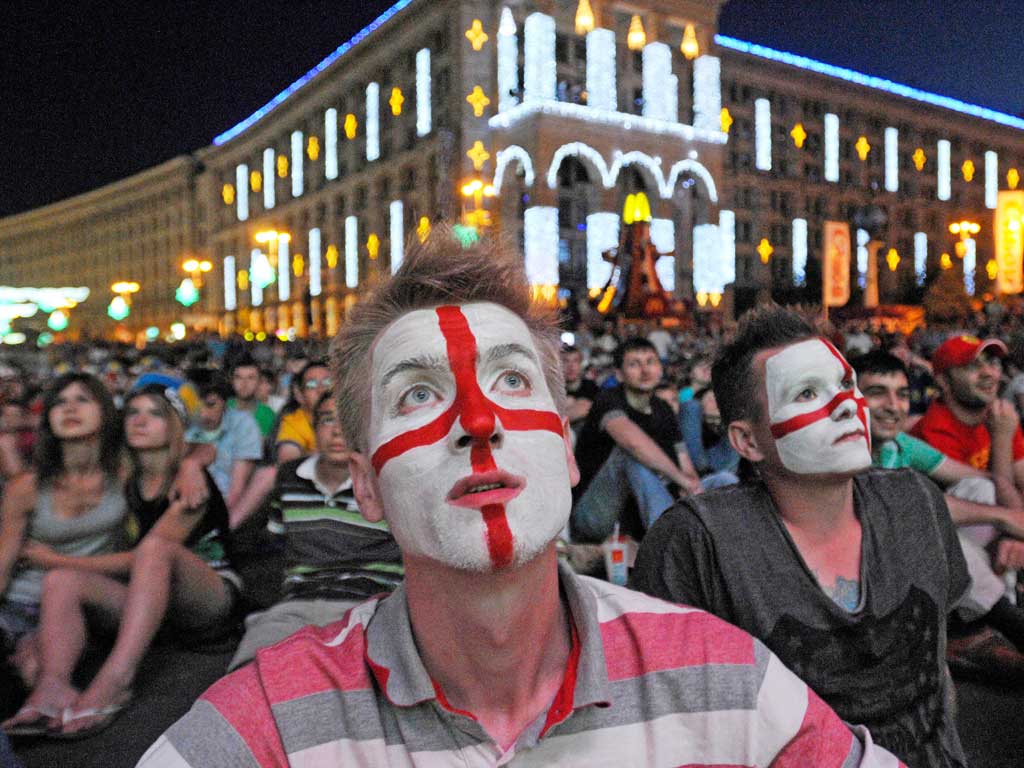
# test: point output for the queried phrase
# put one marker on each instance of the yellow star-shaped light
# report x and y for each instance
(892, 258)
(373, 245)
(476, 35)
(351, 125)
(945, 261)
(478, 99)
(331, 256)
(799, 135)
(919, 159)
(282, 166)
(298, 264)
(478, 155)
(726, 119)
(423, 229)
(256, 181)
(396, 101)
(992, 268)
(862, 147)
(968, 170)
(1012, 178)
(243, 280)
(227, 194)
(765, 250)
(313, 148)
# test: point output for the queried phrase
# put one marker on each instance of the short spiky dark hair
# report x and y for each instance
(732, 375)
(631, 345)
(878, 362)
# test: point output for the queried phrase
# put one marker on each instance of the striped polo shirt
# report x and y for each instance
(331, 551)
(648, 684)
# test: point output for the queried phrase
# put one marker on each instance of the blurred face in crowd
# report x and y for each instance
(572, 366)
(709, 411)
(76, 414)
(469, 458)
(211, 411)
(330, 442)
(14, 416)
(245, 380)
(700, 376)
(641, 370)
(974, 385)
(315, 382)
(888, 398)
(145, 424)
(265, 388)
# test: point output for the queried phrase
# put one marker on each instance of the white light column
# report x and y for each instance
(601, 92)
(708, 274)
(351, 252)
(508, 61)
(707, 93)
(297, 180)
(727, 254)
(315, 255)
(663, 238)
(397, 234)
(863, 238)
(540, 230)
(258, 266)
(831, 147)
(331, 143)
(284, 268)
(799, 251)
(269, 178)
(242, 192)
(970, 264)
(944, 191)
(372, 121)
(539, 69)
(424, 115)
(991, 179)
(657, 80)
(230, 284)
(892, 160)
(763, 134)
(920, 256)
(602, 235)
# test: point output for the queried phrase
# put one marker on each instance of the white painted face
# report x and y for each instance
(464, 438)
(818, 417)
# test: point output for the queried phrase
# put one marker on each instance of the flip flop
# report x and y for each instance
(37, 726)
(108, 715)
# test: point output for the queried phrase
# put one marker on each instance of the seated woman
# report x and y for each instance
(179, 571)
(68, 508)
(713, 456)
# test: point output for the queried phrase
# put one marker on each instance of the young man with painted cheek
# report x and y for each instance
(492, 653)
(847, 574)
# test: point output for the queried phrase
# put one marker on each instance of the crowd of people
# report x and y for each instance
(833, 513)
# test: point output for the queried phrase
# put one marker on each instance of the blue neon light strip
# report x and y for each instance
(340, 51)
(870, 81)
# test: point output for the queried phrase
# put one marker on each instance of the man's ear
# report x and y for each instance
(570, 456)
(364, 484)
(744, 441)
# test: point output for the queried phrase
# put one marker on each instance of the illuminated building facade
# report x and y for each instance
(537, 119)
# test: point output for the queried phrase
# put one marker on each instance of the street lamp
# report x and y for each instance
(476, 190)
(187, 293)
(967, 230)
(120, 306)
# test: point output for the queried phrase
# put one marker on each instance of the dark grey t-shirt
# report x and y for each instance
(882, 665)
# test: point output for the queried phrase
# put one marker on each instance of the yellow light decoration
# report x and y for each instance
(584, 18)
(690, 47)
(476, 35)
(282, 166)
(765, 250)
(892, 258)
(606, 300)
(960, 249)
(799, 135)
(243, 280)
(702, 298)
(726, 119)
(298, 264)
(227, 194)
(331, 256)
(636, 38)
(1012, 178)
(637, 208)
(478, 99)
(313, 148)
(945, 261)
(256, 181)
(919, 159)
(478, 155)
(351, 126)
(862, 147)
(545, 293)
(423, 229)
(191, 266)
(716, 299)
(992, 269)
(593, 292)
(373, 245)
(968, 170)
(396, 101)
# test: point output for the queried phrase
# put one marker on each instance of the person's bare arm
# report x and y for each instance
(1003, 423)
(111, 564)
(286, 451)
(11, 462)
(19, 499)
(951, 471)
(241, 471)
(577, 408)
(1008, 521)
(638, 444)
(256, 492)
(190, 482)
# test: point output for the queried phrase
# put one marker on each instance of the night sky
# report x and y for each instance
(92, 91)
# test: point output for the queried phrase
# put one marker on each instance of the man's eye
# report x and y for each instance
(416, 397)
(513, 381)
(806, 394)
(848, 383)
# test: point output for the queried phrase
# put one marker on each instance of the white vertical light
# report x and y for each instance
(663, 238)
(397, 235)
(799, 251)
(508, 61)
(707, 93)
(970, 263)
(540, 230)
(831, 147)
(256, 268)
(297, 180)
(708, 274)
(424, 116)
(230, 284)
(602, 235)
(242, 191)
(269, 178)
(920, 256)
(863, 238)
(944, 190)
(331, 143)
(763, 134)
(372, 121)
(727, 235)
(315, 283)
(539, 67)
(601, 70)
(991, 179)
(351, 252)
(284, 268)
(892, 160)
(672, 99)
(657, 69)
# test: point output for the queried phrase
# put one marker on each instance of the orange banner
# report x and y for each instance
(835, 264)
(1009, 236)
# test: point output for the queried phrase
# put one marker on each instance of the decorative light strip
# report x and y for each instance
(230, 284)
(656, 73)
(991, 179)
(970, 263)
(663, 238)
(338, 52)
(831, 147)
(257, 267)
(315, 255)
(601, 92)
(602, 235)
(297, 156)
(892, 160)
(242, 193)
(284, 268)
(863, 238)
(869, 81)
(507, 155)
(351, 252)
(763, 134)
(943, 192)
(424, 117)
(508, 61)
(920, 256)
(331, 142)
(397, 234)
(269, 178)
(540, 230)
(800, 251)
(708, 274)
(707, 93)
(727, 237)
(539, 68)
(372, 121)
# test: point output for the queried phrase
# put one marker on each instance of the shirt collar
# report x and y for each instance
(307, 471)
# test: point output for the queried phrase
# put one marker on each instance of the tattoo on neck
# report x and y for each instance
(844, 592)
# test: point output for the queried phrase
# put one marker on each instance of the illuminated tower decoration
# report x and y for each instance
(539, 69)
(689, 46)
(601, 70)
(708, 114)
(660, 92)
(584, 18)
(636, 38)
(508, 61)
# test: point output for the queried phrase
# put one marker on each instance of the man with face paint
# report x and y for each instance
(847, 574)
(491, 653)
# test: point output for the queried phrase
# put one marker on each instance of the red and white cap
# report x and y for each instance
(963, 350)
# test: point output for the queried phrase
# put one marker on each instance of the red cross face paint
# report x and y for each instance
(464, 438)
(819, 418)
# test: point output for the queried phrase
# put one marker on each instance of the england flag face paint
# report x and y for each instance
(818, 417)
(464, 438)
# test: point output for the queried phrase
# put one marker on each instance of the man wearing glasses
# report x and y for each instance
(295, 435)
